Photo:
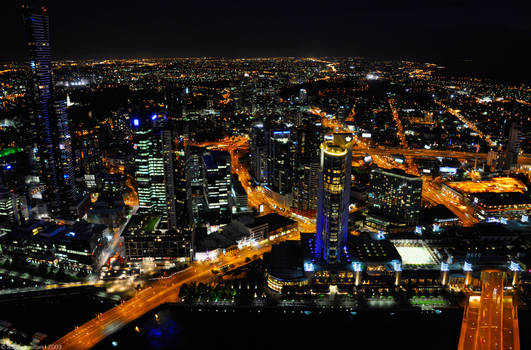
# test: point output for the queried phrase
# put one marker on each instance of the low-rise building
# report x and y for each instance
(72, 246)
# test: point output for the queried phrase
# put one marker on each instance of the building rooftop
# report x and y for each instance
(285, 260)
(214, 159)
(363, 248)
(274, 221)
(398, 172)
(237, 186)
(495, 184)
(501, 198)
(441, 212)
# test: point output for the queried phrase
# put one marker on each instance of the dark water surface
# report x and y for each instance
(181, 327)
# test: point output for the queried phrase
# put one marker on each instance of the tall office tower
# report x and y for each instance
(258, 154)
(154, 171)
(194, 186)
(8, 210)
(303, 96)
(309, 139)
(142, 145)
(217, 188)
(492, 160)
(280, 159)
(169, 177)
(333, 197)
(394, 198)
(305, 186)
(65, 154)
(512, 148)
(52, 153)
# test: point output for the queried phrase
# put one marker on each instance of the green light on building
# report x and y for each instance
(9, 151)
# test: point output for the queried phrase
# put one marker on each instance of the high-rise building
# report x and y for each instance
(303, 96)
(280, 159)
(9, 217)
(305, 187)
(333, 198)
(169, 178)
(273, 154)
(258, 154)
(154, 171)
(51, 152)
(217, 188)
(309, 139)
(394, 198)
(512, 148)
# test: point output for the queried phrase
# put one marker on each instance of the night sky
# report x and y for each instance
(494, 35)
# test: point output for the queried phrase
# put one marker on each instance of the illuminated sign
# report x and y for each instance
(514, 266)
(308, 267)
(450, 170)
(444, 266)
(281, 133)
(366, 135)
(356, 266)
(467, 266)
(397, 266)
(136, 122)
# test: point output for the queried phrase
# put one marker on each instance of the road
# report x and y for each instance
(432, 193)
(239, 146)
(160, 292)
(490, 320)
(468, 123)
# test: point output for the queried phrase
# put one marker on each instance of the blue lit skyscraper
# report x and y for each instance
(333, 197)
(52, 153)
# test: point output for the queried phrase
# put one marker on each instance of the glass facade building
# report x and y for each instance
(394, 196)
(333, 198)
(154, 171)
(52, 151)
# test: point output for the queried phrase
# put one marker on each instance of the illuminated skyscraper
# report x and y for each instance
(258, 154)
(217, 187)
(280, 159)
(512, 148)
(394, 198)
(333, 197)
(52, 152)
(8, 210)
(309, 139)
(154, 171)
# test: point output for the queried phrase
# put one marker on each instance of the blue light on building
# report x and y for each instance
(514, 266)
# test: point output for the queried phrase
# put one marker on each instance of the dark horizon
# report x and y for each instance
(492, 36)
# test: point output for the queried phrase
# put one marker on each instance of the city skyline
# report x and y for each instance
(471, 37)
(146, 203)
